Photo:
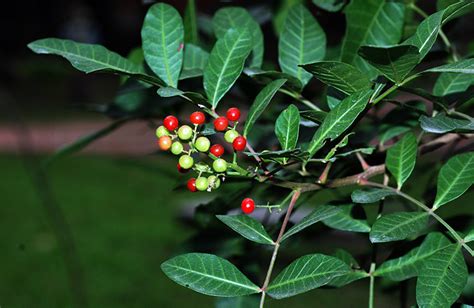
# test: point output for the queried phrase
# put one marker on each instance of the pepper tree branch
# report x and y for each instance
(425, 208)
(296, 195)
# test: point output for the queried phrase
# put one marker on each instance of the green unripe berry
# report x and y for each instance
(230, 135)
(162, 131)
(219, 165)
(214, 182)
(186, 161)
(185, 132)
(177, 148)
(202, 183)
(202, 144)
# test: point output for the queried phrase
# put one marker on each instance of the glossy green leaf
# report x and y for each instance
(306, 273)
(225, 64)
(330, 5)
(208, 274)
(163, 38)
(248, 227)
(370, 22)
(265, 77)
(401, 158)
(461, 67)
(370, 195)
(392, 132)
(398, 226)
(426, 34)
(287, 127)
(345, 222)
(449, 83)
(90, 58)
(190, 23)
(281, 13)
(442, 278)
(302, 41)
(394, 62)
(261, 102)
(195, 60)
(440, 124)
(409, 265)
(339, 119)
(469, 237)
(238, 18)
(318, 214)
(353, 275)
(339, 75)
(455, 177)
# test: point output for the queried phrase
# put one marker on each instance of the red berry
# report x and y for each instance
(248, 205)
(239, 143)
(220, 124)
(217, 150)
(197, 118)
(233, 114)
(171, 122)
(192, 185)
(181, 169)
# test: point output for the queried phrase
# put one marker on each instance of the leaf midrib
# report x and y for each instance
(213, 277)
(224, 67)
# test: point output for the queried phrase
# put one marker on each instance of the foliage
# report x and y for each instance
(310, 146)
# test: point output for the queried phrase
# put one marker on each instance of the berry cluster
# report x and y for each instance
(173, 137)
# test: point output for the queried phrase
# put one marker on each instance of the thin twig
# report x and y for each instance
(425, 208)
(296, 195)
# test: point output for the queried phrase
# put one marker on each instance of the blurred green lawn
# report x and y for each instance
(123, 216)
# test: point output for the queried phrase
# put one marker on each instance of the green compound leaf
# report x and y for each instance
(306, 273)
(454, 178)
(261, 103)
(339, 119)
(401, 158)
(370, 22)
(163, 38)
(90, 58)
(345, 222)
(449, 83)
(339, 75)
(398, 226)
(208, 274)
(225, 64)
(318, 214)
(248, 227)
(195, 60)
(440, 124)
(370, 195)
(442, 278)
(409, 265)
(190, 23)
(238, 18)
(460, 67)
(287, 127)
(302, 41)
(394, 62)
